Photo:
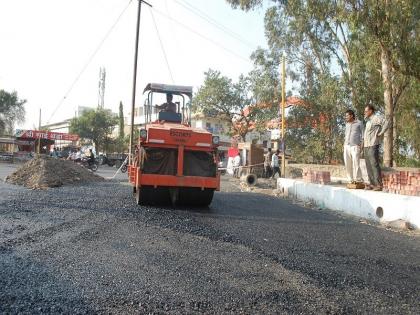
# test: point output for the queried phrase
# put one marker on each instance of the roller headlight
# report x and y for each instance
(143, 134)
(216, 140)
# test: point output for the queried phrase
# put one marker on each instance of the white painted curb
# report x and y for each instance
(361, 203)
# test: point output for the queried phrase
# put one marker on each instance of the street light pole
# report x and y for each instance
(133, 95)
(283, 116)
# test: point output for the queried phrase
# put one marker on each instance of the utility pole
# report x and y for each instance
(133, 95)
(101, 85)
(39, 129)
(39, 122)
(283, 116)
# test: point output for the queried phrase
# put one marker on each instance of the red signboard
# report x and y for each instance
(39, 134)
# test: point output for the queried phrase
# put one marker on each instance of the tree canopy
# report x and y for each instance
(96, 125)
(220, 97)
(361, 51)
(245, 105)
(11, 111)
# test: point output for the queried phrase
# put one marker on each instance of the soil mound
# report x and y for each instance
(43, 172)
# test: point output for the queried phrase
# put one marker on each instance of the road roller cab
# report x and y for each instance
(173, 162)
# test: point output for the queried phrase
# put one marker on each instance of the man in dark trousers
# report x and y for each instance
(376, 126)
(275, 164)
(267, 163)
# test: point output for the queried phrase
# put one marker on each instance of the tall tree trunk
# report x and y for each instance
(396, 143)
(389, 105)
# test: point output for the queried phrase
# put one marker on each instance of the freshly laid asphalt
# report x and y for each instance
(90, 249)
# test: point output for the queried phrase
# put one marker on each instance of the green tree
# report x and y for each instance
(265, 88)
(394, 28)
(220, 97)
(408, 126)
(11, 111)
(315, 129)
(96, 125)
(374, 45)
(121, 122)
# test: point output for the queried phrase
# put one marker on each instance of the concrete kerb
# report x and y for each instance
(377, 206)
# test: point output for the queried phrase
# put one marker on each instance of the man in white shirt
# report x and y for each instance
(236, 165)
(353, 143)
(275, 164)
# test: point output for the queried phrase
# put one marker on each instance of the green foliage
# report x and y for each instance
(121, 122)
(96, 125)
(408, 126)
(220, 97)
(394, 26)
(345, 54)
(136, 136)
(316, 129)
(11, 111)
(245, 4)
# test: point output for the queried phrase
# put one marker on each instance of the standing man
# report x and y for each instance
(353, 144)
(236, 165)
(275, 164)
(376, 126)
(267, 163)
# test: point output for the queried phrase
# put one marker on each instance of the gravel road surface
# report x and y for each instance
(90, 249)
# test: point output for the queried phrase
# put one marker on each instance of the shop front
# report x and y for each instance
(43, 141)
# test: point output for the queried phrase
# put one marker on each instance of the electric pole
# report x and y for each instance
(283, 116)
(39, 129)
(133, 95)
(39, 121)
(101, 92)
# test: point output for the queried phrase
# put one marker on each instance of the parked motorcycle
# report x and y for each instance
(93, 166)
(124, 166)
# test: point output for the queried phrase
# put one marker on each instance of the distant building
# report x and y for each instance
(61, 126)
(140, 115)
(216, 126)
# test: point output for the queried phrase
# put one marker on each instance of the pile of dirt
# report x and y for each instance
(43, 172)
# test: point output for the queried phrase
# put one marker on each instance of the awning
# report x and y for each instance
(166, 88)
(14, 141)
(7, 140)
(45, 135)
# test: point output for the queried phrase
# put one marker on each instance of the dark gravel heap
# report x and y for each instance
(43, 172)
(90, 250)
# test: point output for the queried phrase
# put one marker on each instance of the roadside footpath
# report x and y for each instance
(380, 207)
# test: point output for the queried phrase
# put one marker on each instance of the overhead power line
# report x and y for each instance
(202, 36)
(162, 46)
(98, 47)
(215, 23)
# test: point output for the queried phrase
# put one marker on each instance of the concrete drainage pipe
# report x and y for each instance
(250, 179)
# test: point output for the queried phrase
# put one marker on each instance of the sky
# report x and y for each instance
(45, 45)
